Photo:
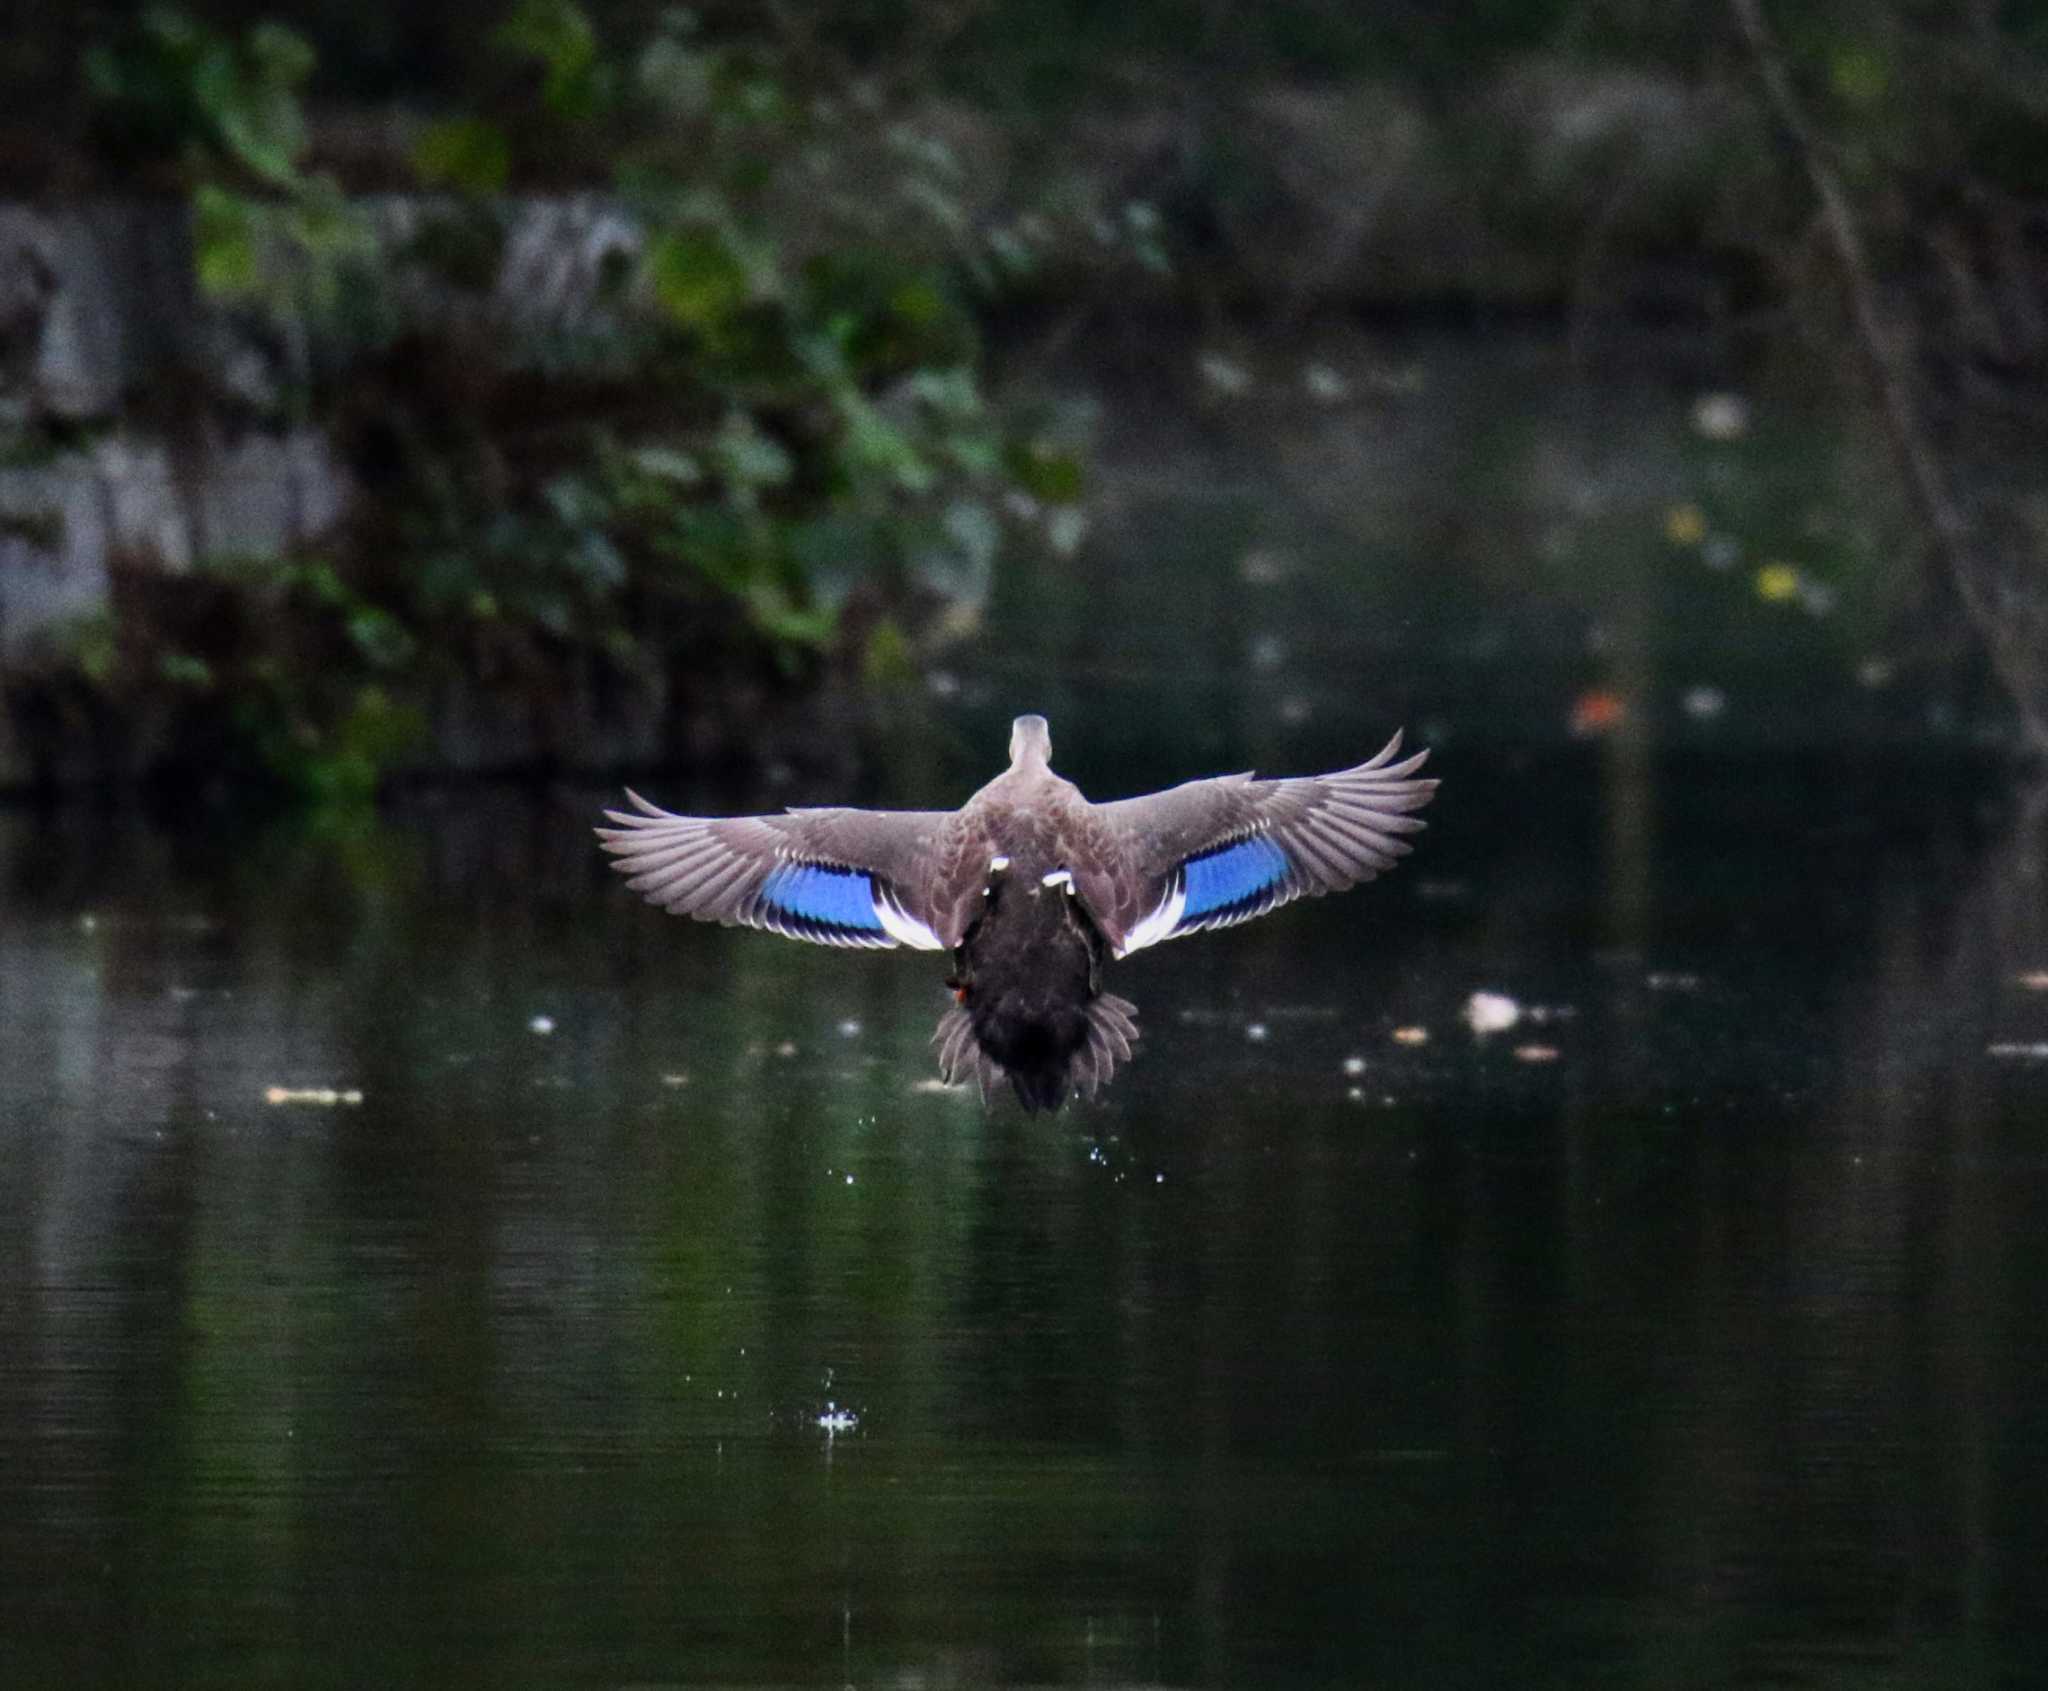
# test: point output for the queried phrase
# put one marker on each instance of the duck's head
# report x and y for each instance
(1030, 743)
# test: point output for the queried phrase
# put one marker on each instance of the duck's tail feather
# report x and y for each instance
(1112, 1029)
(961, 1057)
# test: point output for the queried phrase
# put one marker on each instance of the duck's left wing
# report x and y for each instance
(1209, 853)
(835, 877)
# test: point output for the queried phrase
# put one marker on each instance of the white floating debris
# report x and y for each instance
(849, 1029)
(326, 1096)
(1873, 672)
(2034, 980)
(1255, 1031)
(1267, 652)
(675, 1080)
(1671, 980)
(786, 1049)
(1263, 566)
(1355, 1093)
(1325, 385)
(1490, 1012)
(849, 1180)
(541, 1025)
(836, 1420)
(1354, 1065)
(1720, 416)
(1536, 1053)
(1225, 375)
(1703, 704)
(1411, 1035)
(2026, 1049)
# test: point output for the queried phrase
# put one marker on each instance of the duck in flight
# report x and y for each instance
(1031, 888)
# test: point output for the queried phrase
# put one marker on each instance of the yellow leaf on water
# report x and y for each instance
(1777, 582)
(1685, 525)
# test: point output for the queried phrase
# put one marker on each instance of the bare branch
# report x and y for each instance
(1890, 367)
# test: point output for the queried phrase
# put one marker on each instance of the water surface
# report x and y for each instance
(422, 1264)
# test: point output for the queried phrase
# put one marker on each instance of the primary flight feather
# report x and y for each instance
(1031, 888)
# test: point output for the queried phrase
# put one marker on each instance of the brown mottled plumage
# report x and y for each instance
(1031, 888)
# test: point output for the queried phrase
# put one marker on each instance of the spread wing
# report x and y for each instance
(1210, 853)
(835, 877)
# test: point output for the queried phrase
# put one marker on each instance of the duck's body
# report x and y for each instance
(1031, 887)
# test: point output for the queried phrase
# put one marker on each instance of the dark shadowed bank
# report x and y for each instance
(615, 388)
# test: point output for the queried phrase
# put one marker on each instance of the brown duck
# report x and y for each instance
(1031, 888)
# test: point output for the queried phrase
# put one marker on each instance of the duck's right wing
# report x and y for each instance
(835, 877)
(1209, 853)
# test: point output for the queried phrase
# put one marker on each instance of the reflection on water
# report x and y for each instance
(651, 1319)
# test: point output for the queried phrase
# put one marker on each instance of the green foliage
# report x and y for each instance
(768, 409)
(471, 154)
(559, 35)
(226, 111)
(174, 87)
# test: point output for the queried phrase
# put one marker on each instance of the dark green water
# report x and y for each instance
(652, 1319)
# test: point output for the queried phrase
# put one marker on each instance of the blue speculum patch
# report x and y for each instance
(837, 898)
(1239, 874)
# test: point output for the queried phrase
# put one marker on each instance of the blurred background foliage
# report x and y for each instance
(756, 452)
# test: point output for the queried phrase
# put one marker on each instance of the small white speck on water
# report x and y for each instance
(1355, 1093)
(849, 1029)
(1491, 1012)
(849, 1180)
(675, 1080)
(1720, 416)
(1267, 652)
(327, 1096)
(1533, 1053)
(786, 1049)
(1325, 385)
(1411, 1035)
(1255, 1031)
(1354, 1065)
(541, 1025)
